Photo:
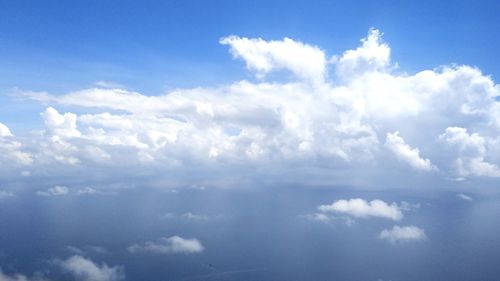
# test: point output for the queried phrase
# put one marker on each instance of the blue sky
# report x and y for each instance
(249, 140)
(153, 45)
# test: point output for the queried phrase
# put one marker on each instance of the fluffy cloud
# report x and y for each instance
(11, 150)
(305, 61)
(362, 209)
(471, 152)
(4, 131)
(57, 190)
(406, 153)
(317, 127)
(170, 245)
(402, 234)
(372, 56)
(83, 269)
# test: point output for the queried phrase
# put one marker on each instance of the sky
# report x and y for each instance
(263, 140)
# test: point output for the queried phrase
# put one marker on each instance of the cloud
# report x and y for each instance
(362, 209)
(464, 197)
(407, 154)
(83, 269)
(303, 60)
(86, 191)
(6, 194)
(60, 125)
(402, 234)
(5, 131)
(471, 152)
(372, 56)
(11, 150)
(326, 123)
(88, 249)
(170, 245)
(18, 277)
(328, 219)
(57, 190)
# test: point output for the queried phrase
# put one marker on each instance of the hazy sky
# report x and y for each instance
(370, 123)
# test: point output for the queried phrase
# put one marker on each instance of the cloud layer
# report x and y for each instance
(309, 117)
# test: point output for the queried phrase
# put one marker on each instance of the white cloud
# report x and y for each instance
(328, 219)
(18, 277)
(402, 234)
(305, 61)
(319, 217)
(11, 150)
(311, 133)
(170, 245)
(200, 218)
(371, 56)
(406, 153)
(464, 197)
(60, 125)
(57, 190)
(471, 153)
(363, 209)
(4, 131)
(86, 191)
(83, 269)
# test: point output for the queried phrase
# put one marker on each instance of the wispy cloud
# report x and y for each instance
(170, 245)
(402, 234)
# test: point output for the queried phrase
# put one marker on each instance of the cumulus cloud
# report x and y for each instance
(11, 151)
(57, 190)
(318, 126)
(372, 56)
(170, 245)
(402, 234)
(83, 269)
(361, 208)
(406, 153)
(471, 152)
(303, 60)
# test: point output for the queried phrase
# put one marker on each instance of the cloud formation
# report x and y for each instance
(361, 208)
(57, 190)
(303, 60)
(402, 234)
(333, 119)
(406, 153)
(170, 245)
(83, 269)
